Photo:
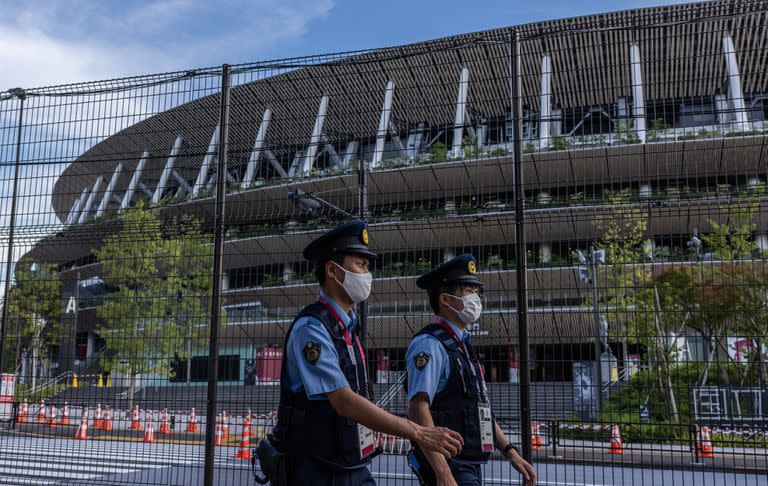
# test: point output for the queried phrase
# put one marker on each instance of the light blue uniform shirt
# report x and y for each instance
(433, 378)
(325, 375)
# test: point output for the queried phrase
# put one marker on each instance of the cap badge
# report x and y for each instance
(472, 267)
(364, 236)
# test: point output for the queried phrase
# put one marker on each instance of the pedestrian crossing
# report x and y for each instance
(47, 462)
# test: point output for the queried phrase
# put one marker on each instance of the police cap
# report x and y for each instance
(458, 270)
(350, 238)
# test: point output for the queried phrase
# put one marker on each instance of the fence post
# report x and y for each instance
(218, 250)
(521, 266)
(21, 95)
(363, 193)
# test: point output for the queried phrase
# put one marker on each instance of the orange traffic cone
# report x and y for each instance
(244, 452)
(149, 433)
(42, 413)
(97, 417)
(218, 437)
(135, 420)
(82, 431)
(64, 415)
(192, 423)
(106, 424)
(704, 443)
(535, 436)
(616, 446)
(52, 423)
(224, 425)
(249, 417)
(165, 427)
(21, 417)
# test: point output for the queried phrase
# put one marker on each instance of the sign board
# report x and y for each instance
(7, 384)
(730, 405)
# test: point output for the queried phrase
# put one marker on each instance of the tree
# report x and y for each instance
(732, 239)
(663, 310)
(158, 293)
(35, 305)
(624, 276)
(735, 293)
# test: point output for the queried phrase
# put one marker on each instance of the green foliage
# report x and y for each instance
(529, 148)
(272, 281)
(625, 134)
(34, 310)
(160, 281)
(559, 143)
(438, 152)
(471, 147)
(499, 152)
(732, 239)
(494, 261)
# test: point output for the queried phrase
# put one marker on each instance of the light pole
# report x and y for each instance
(595, 257)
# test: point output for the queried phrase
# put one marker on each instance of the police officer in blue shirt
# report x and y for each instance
(325, 419)
(446, 383)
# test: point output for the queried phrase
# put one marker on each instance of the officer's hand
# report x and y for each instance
(523, 467)
(440, 440)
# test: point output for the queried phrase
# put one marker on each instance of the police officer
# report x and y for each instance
(446, 384)
(325, 419)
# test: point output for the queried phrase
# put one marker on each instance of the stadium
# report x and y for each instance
(664, 108)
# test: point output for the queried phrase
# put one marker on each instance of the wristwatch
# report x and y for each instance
(507, 448)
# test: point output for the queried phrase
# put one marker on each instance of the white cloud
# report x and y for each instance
(55, 42)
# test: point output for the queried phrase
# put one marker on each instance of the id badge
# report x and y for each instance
(486, 428)
(366, 440)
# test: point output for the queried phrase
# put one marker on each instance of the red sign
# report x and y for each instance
(268, 364)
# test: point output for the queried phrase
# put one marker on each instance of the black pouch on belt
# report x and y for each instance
(421, 468)
(272, 462)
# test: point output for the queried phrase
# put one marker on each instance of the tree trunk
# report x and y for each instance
(131, 389)
(761, 361)
(34, 367)
(665, 359)
(710, 355)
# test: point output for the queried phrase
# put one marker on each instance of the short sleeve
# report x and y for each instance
(311, 351)
(427, 365)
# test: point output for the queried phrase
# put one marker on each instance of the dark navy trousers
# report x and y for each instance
(310, 472)
(466, 474)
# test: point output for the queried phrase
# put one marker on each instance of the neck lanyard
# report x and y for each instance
(345, 332)
(463, 349)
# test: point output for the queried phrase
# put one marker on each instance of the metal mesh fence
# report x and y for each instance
(608, 174)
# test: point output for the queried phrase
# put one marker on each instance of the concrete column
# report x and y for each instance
(134, 181)
(545, 253)
(75, 211)
(545, 111)
(163, 182)
(91, 198)
(381, 134)
(761, 240)
(317, 133)
(648, 247)
(638, 96)
(258, 145)
(740, 118)
(208, 161)
(460, 118)
(289, 273)
(110, 190)
(646, 191)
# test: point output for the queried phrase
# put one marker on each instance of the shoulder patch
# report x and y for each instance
(312, 352)
(421, 360)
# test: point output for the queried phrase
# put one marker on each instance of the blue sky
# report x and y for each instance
(57, 41)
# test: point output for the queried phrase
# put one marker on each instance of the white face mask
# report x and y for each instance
(473, 307)
(356, 285)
